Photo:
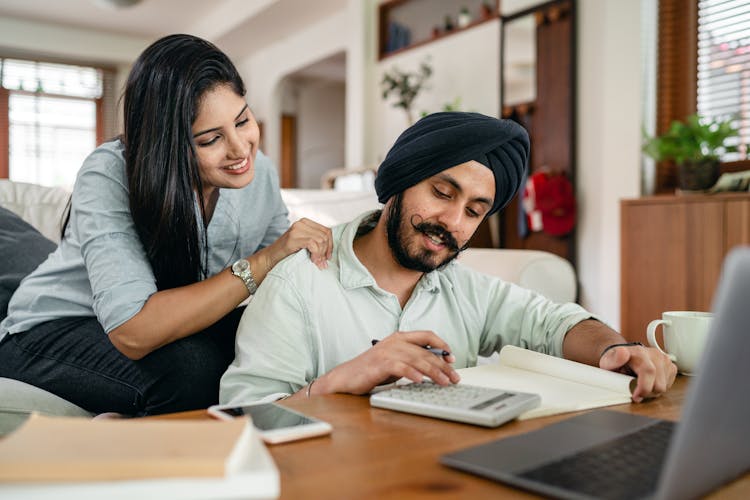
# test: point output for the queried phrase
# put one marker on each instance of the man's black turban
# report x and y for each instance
(443, 140)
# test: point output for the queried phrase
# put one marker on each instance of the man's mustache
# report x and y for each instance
(429, 228)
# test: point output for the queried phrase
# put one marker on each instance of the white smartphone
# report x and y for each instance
(275, 423)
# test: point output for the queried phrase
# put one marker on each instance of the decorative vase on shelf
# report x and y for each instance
(448, 24)
(464, 18)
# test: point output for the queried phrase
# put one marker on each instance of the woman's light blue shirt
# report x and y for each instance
(100, 268)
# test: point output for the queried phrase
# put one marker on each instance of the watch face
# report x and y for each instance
(240, 265)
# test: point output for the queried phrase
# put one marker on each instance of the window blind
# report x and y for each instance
(723, 90)
(51, 78)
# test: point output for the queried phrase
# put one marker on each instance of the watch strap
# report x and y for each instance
(246, 275)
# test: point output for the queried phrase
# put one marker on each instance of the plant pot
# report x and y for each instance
(464, 19)
(698, 175)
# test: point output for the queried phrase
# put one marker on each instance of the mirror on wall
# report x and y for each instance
(519, 61)
(537, 89)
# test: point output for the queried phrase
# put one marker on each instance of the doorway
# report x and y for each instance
(313, 115)
(288, 167)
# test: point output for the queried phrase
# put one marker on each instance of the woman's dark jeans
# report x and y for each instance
(74, 359)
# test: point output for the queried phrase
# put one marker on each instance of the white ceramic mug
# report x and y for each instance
(685, 334)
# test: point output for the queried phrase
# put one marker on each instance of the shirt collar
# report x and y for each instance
(353, 274)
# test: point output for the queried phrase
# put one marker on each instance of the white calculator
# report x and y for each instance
(462, 403)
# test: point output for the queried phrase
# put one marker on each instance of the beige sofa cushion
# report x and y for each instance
(326, 206)
(20, 400)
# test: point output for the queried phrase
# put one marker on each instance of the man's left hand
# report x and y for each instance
(654, 369)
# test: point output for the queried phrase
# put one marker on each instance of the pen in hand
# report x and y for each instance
(433, 350)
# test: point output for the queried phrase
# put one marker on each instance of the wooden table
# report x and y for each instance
(375, 453)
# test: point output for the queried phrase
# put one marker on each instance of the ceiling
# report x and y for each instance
(238, 26)
(149, 19)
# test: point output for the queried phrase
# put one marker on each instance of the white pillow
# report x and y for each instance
(326, 206)
(40, 206)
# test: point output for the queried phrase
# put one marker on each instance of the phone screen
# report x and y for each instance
(267, 417)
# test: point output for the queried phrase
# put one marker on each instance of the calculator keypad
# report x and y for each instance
(462, 403)
(454, 396)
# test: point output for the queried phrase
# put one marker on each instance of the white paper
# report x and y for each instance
(563, 385)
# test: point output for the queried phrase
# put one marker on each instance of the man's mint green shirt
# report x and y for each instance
(304, 321)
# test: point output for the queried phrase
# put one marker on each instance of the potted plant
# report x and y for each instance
(405, 85)
(695, 146)
(448, 23)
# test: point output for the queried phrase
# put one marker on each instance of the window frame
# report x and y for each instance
(99, 102)
(677, 64)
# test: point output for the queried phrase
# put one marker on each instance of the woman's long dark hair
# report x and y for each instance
(161, 102)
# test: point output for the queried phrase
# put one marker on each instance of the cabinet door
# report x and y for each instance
(671, 260)
(704, 246)
(653, 259)
(738, 223)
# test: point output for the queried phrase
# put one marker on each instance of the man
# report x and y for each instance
(392, 279)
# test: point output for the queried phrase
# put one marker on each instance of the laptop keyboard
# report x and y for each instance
(625, 468)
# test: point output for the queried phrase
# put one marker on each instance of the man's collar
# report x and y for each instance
(353, 274)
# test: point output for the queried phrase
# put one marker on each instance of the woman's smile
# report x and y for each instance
(238, 168)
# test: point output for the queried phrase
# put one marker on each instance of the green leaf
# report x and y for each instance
(405, 86)
(696, 138)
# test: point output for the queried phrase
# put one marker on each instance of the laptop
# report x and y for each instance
(582, 457)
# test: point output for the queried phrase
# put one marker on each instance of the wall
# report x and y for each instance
(609, 118)
(30, 37)
(465, 65)
(34, 39)
(265, 71)
(320, 131)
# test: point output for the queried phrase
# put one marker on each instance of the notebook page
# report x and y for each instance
(570, 370)
(563, 385)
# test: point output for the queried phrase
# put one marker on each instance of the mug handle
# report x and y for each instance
(651, 336)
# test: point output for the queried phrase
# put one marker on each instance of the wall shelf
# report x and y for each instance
(406, 24)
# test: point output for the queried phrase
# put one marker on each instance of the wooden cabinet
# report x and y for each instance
(672, 248)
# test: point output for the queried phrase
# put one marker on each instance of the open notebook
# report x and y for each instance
(616, 455)
(563, 385)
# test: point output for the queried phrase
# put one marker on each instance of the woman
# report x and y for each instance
(170, 228)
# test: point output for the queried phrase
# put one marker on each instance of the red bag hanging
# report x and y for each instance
(549, 203)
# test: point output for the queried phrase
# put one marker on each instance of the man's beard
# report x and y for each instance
(423, 261)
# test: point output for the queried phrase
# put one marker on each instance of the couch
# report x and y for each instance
(42, 208)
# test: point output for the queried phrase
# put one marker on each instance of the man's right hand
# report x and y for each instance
(401, 354)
